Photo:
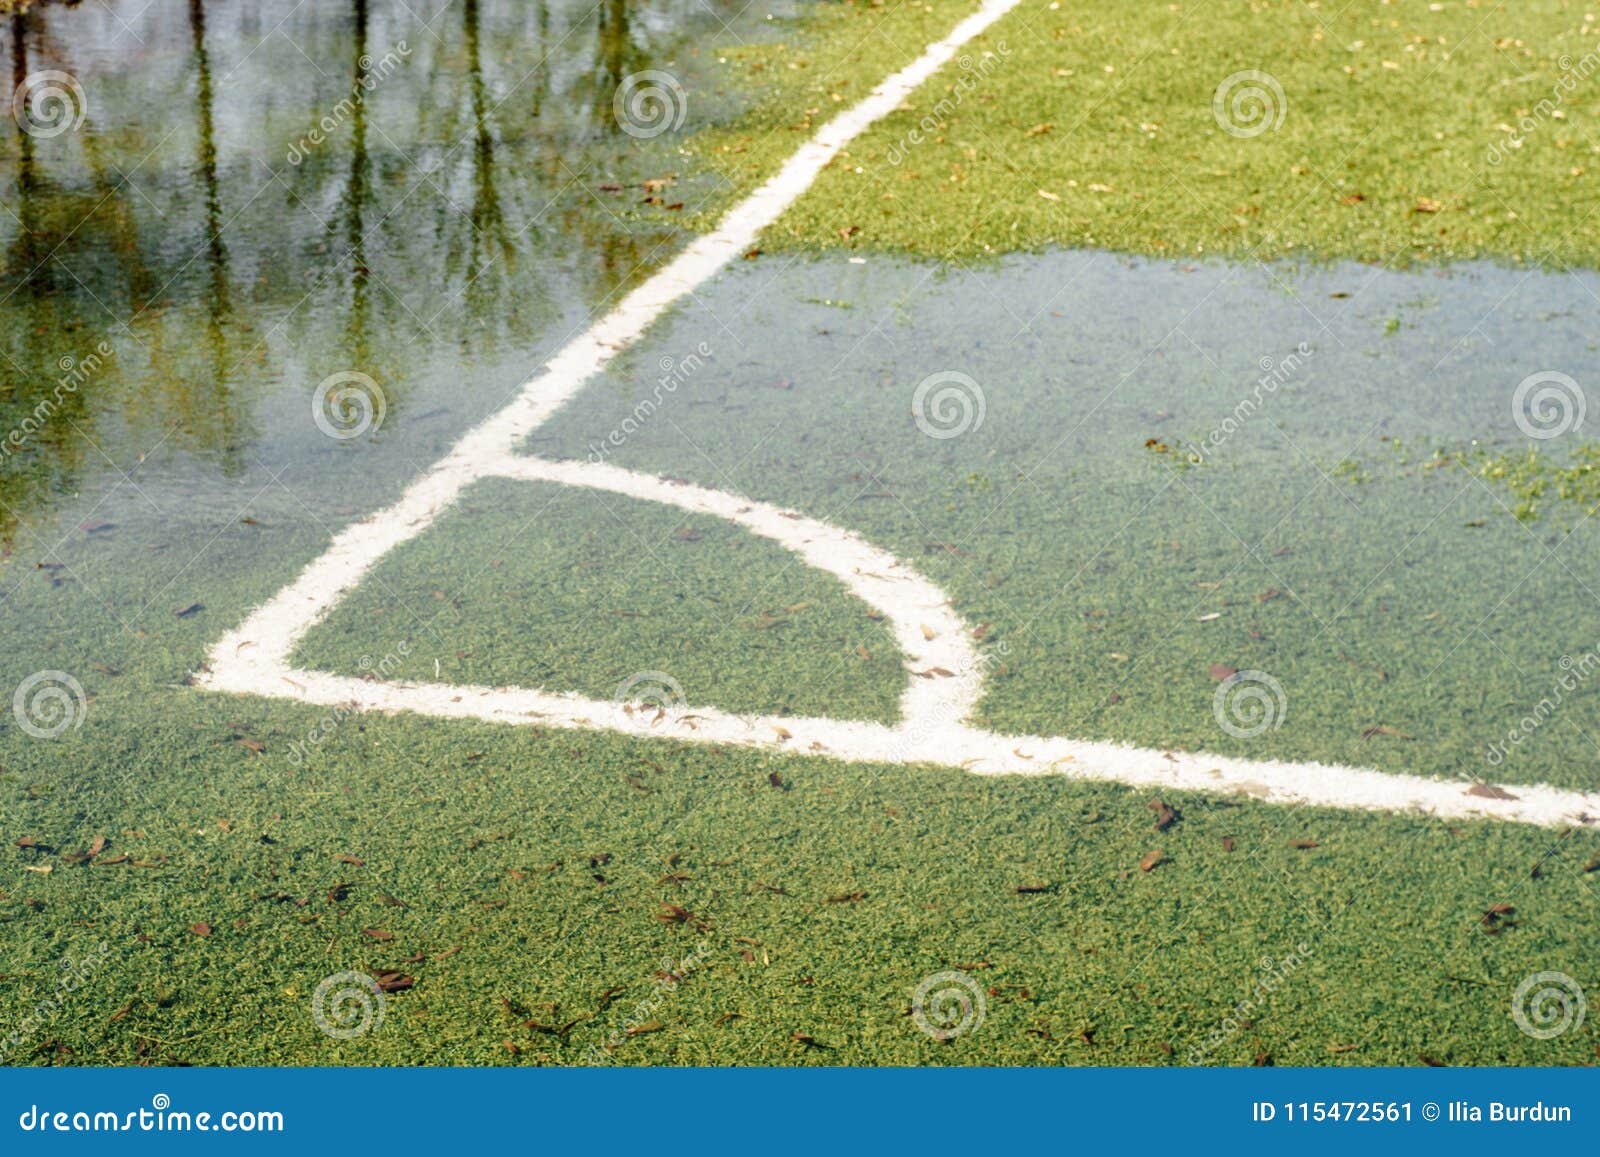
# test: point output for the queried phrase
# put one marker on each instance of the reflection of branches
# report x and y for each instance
(358, 190)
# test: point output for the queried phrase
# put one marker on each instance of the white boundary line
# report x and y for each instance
(945, 669)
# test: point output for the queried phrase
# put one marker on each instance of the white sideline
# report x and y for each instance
(945, 670)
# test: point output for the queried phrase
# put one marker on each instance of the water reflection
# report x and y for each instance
(261, 195)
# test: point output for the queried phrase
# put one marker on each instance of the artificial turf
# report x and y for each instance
(547, 891)
(1122, 526)
(582, 591)
(1392, 132)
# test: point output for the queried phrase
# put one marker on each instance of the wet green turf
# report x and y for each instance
(1382, 590)
(574, 590)
(519, 875)
(1084, 125)
(531, 867)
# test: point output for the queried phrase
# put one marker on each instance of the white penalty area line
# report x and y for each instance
(944, 669)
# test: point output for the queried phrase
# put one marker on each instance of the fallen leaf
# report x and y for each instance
(191, 609)
(378, 933)
(1032, 889)
(391, 981)
(1427, 205)
(847, 898)
(1304, 845)
(641, 1029)
(1385, 729)
(1166, 816)
(1489, 791)
(346, 858)
(201, 929)
(1227, 843)
(1151, 859)
(1221, 672)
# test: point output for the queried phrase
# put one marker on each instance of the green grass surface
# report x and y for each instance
(522, 877)
(572, 590)
(1093, 125)
(1382, 590)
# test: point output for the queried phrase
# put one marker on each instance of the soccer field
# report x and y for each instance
(841, 534)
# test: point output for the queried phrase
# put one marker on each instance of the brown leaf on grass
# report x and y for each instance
(1352, 199)
(1151, 859)
(200, 929)
(1227, 843)
(673, 914)
(847, 898)
(1166, 815)
(378, 933)
(192, 609)
(1385, 729)
(1427, 205)
(641, 1029)
(97, 845)
(347, 858)
(1489, 791)
(1221, 672)
(254, 745)
(1304, 845)
(1034, 889)
(776, 780)
(388, 980)
(1431, 1062)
